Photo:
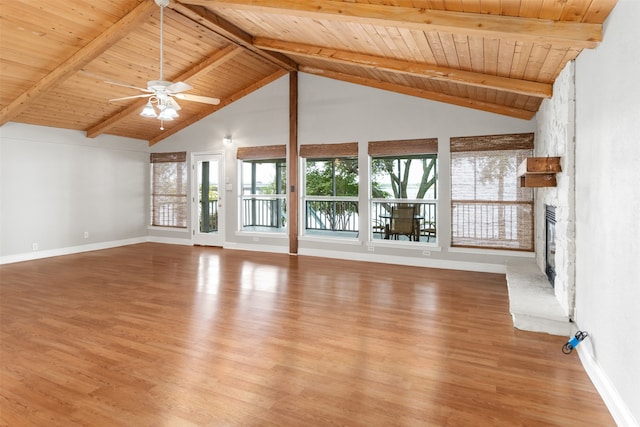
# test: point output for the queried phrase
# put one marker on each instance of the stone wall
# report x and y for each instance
(555, 136)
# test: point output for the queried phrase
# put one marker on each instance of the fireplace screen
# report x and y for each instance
(550, 244)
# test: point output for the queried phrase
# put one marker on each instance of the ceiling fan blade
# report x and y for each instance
(179, 87)
(131, 97)
(198, 98)
(126, 85)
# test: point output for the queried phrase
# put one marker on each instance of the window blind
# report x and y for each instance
(489, 209)
(400, 148)
(266, 152)
(169, 189)
(329, 151)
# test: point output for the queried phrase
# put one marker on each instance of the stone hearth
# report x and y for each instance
(532, 302)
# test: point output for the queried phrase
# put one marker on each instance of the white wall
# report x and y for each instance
(608, 209)
(56, 185)
(331, 111)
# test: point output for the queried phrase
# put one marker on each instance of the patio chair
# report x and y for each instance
(403, 222)
(429, 230)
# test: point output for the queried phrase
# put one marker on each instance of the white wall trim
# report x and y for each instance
(413, 262)
(256, 248)
(499, 252)
(30, 256)
(617, 407)
(169, 240)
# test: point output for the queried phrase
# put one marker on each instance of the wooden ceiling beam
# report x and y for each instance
(545, 31)
(200, 69)
(522, 87)
(231, 33)
(79, 59)
(421, 93)
(212, 109)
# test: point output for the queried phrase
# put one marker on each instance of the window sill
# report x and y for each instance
(271, 234)
(501, 252)
(422, 246)
(326, 239)
(156, 227)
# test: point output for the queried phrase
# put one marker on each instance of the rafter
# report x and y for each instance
(212, 109)
(200, 69)
(79, 59)
(523, 87)
(421, 93)
(231, 33)
(565, 33)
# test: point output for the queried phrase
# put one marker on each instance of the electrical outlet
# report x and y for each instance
(371, 248)
(426, 253)
(34, 246)
(86, 234)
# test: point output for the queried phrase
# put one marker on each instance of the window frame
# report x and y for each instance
(329, 153)
(275, 154)
(177, 215)
(521, 145)
(427, 208)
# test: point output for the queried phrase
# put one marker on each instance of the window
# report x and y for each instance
(331, 189)
(169, 189)
(404, 174)
(264, 187)
(488, 208)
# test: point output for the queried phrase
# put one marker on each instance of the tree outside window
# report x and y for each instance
(331, 190)
(404, 180)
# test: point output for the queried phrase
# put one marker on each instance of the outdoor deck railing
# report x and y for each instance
(486, 223)
(264, 211)
(426, 211)
(331, 215)
(211, 215)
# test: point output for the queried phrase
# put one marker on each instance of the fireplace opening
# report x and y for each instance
(550, 243)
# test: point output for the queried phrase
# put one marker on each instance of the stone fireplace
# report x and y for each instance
(534, 304)
(555, 136)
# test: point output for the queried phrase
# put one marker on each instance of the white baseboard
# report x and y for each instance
(169, 240)
(617, 407)
(29, 256)
(414, 262)
(257, 248)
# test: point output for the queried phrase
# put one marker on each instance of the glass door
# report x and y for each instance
(207, 209)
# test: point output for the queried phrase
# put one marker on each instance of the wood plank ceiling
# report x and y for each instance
(501, 56)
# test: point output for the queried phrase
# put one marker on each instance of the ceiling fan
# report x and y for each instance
(161, 92)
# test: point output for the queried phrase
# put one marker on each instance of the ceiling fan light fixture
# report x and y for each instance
(168, 113)
(161, 103)
(148, 110)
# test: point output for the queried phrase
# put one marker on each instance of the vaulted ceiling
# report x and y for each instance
(62, 62)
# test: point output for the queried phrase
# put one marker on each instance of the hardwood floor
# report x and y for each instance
(163, 335)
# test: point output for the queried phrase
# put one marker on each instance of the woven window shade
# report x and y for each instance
(329, 151)
(406, 147)
(267, 152)
(488, 207)
(169, 189)
(180, 156)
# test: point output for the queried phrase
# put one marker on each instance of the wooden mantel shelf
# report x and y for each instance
(539, 171)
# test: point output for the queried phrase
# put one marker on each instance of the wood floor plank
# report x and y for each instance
(164, 335)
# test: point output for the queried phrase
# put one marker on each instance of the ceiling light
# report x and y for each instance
(148, 110)
(168, 113)
(227, 139)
